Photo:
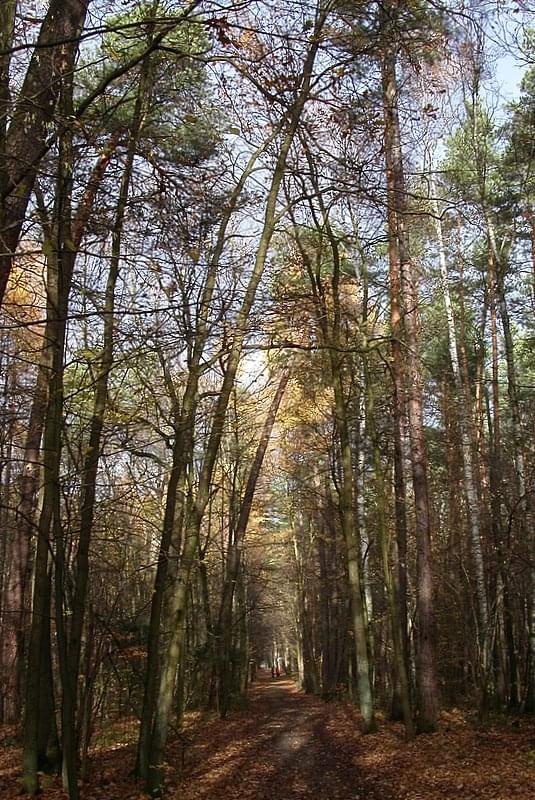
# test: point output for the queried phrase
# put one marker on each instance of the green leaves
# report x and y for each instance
(131, 33)
(174, 128)
(472, 160)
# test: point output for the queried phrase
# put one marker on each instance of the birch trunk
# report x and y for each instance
(470, 487)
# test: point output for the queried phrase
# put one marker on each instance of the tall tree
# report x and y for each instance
(26, 139)
(427, 703)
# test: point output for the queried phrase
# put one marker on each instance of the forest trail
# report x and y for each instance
(279, 747)
(292, 746)
(286, 745)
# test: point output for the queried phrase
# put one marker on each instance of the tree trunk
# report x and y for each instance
(329, 330)
(425, 655)
(26, 138)
(18, 600)
(308, 673)
(401, 674)
(523, 498)
(463, 413)
(224, 627)
(7, 25)
(70, 729)
(57, 281)
(397, 371)
(182, 453)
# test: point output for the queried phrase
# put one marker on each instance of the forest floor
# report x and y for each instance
(289, 745)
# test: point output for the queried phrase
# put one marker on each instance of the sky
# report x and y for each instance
(509, 75)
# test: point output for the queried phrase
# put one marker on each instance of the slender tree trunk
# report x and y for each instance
(329, 329)
(7, 25)
(182, 453)
(520, 471)
(496, 464)
(62, 227)
(60, 265)
(524, 498)
(308, 672)
(8, 562)
(38, 653)
(352, 543)
(359, 454)
(18, 590)
(328, 671)
(153, 645)
(234, 554)
(353, 566)
(385, 544)
(398, 395)
(463, 412)
(425, 655)
(531, 222)
(18, 600)
(73, 644)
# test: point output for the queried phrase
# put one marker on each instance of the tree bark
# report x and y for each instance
(463, 413)
(427, 705)
(224, 627)
(51, 62)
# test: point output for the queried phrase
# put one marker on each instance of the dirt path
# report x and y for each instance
(285, 745)
(278, 748)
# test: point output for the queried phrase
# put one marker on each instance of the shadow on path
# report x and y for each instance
(278, 748)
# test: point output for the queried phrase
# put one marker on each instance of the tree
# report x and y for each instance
(408, 295)
(25, 141)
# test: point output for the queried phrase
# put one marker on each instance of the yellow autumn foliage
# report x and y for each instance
(24, 307)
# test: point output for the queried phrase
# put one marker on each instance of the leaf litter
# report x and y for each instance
(296, 746)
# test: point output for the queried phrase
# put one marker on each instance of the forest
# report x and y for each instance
(267, 363)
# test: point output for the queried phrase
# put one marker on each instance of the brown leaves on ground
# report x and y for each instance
(289, 744)
(460, 761)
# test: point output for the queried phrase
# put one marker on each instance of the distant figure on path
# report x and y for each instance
(277, 671)
(273, 672)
